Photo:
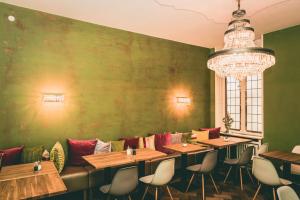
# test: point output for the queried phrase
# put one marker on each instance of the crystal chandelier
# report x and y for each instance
(240, 57)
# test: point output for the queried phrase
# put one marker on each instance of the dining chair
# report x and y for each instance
(205, 168)
(265, 172)
(162, 176)
(286, 193)
(124, 182)
(241, 163)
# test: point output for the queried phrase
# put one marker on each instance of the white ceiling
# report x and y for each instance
(196, 22)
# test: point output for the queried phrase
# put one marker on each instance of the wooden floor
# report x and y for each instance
(228, 191)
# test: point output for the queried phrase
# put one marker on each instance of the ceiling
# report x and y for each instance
(196, 22)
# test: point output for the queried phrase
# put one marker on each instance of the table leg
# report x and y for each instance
(107, 175)
(286, 170)
(184, 164)
(141, 172)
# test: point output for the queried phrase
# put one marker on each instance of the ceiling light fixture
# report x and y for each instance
(240, 56)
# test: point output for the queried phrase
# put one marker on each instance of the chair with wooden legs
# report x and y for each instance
(162, 176)
(265, 172)
(124, 182)
(286, 193)
(241, 163)
(205, 168)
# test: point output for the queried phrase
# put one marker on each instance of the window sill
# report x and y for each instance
(245, 135)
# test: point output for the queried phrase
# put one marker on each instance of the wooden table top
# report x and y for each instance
(21, 182)
(113, 159)
(221, 143)
(289, 157)
(186, 149)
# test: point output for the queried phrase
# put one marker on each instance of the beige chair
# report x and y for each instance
(241, 163)
(124, 182)
(286, 193)
(265, 172)
(162, 176)
(206, 167)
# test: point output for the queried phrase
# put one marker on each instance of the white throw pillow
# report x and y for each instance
(150, 142)
(176, 138)
(102, 147)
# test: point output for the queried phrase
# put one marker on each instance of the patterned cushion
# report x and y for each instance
(150, 142)
(102, 147)
(79, 148)
(176, 138)
(32, 154)
(117, 145)
(11, 156)
(57, 155)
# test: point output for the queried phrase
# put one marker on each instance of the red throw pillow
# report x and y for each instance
(131, 142)
(79, 148)
(213, 132)
(12, 156)
(161, 140)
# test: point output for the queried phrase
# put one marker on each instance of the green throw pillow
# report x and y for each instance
(186, 138)
(57, 155)
(32, 154)
(117, 145)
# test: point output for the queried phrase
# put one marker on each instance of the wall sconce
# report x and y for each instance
(183, 100)
(53, 97)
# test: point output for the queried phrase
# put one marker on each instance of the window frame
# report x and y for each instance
(226, 105)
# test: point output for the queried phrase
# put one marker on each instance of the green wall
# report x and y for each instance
(281, 90)
(116, 83)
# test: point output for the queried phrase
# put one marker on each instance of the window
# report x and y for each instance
(233, 101)
(243, 102)
(254, 103)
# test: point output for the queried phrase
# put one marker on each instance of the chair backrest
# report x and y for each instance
(246, 155)
(124, 181)
(164, 172)
(209, 162)
(296, 149)
(265, 172)
(263, 148)
(287, 193)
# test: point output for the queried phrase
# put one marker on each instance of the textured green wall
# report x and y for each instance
(116, 83)
(281, 90)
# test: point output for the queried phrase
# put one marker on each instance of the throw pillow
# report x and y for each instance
(141, 143)
(79, 148)
(57, 156)
(176, 138)
(117, 145)
(161, 140)
(186, 137)
(200, 135)
(150, 142)
(213, 132)
(11, 156)
(102, 147)
(131, 142)
(32, 154)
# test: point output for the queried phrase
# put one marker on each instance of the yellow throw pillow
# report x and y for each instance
(200, 135)
(117, 145)
(57, 155)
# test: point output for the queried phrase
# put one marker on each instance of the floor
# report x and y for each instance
(229, 191)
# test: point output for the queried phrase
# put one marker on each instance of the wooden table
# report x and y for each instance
(286, 158)
(21, 182)
(221, 143)
(185, 151)
(115, 159)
